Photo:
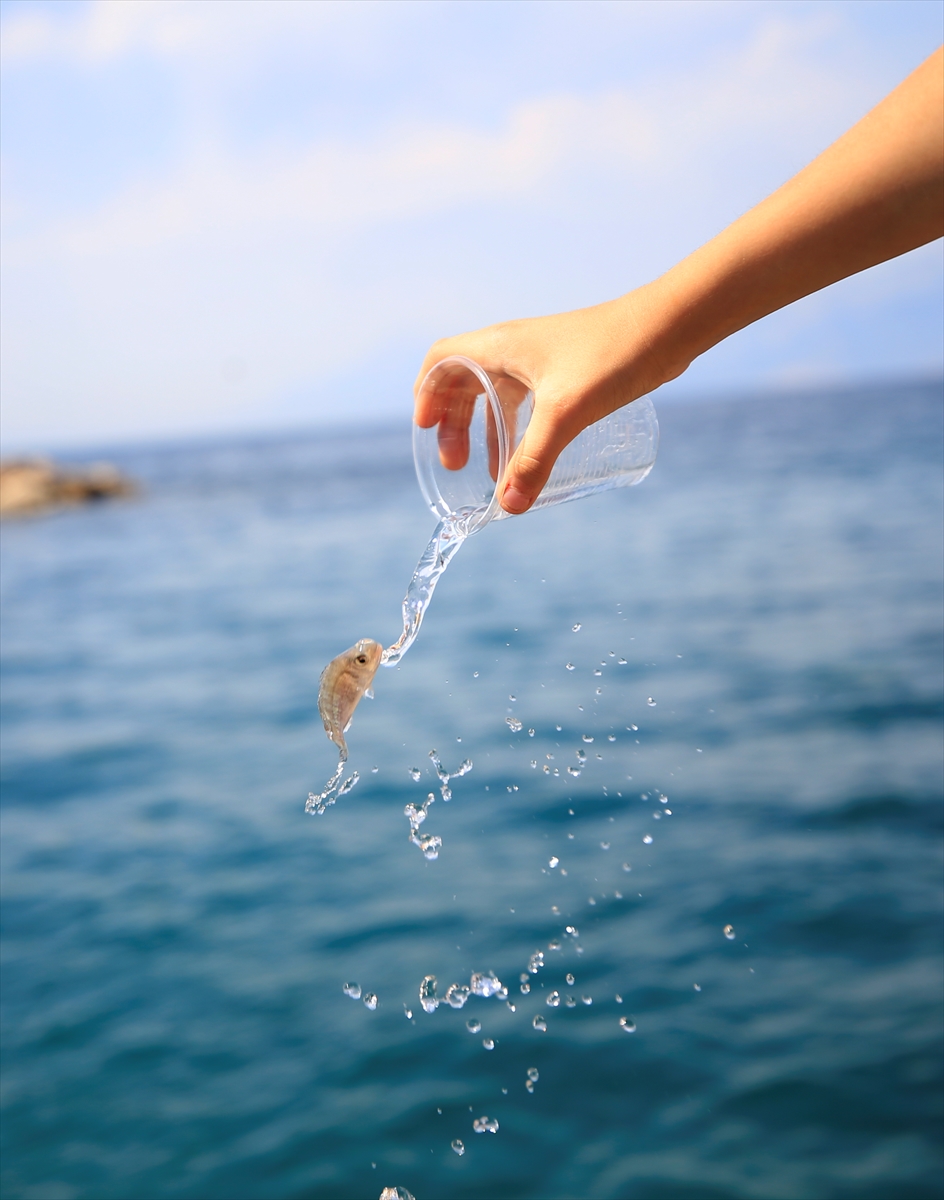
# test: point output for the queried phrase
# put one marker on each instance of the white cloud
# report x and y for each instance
(297, 261)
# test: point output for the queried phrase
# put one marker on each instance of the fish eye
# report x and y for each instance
(362, 658)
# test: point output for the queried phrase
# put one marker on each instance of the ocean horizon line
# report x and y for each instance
(379, 425)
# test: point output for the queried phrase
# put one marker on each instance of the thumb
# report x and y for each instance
(533, 461)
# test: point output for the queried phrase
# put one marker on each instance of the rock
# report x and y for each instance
(36, 485)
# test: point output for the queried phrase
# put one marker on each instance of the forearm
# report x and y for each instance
(874, 194)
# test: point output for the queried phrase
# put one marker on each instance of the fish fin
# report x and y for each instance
(369, 693)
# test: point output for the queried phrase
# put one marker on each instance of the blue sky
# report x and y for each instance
(227, 216)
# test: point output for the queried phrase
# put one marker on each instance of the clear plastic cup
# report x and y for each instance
(461, 460)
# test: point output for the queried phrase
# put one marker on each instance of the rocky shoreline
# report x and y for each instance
(37, 485)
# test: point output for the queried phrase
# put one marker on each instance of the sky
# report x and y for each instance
(224, 216)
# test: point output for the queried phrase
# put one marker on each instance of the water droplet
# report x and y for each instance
(627, 867)
(576, 628)
(555, 772)
(456, 995)
(575, 771)
(729, 933)
(475, 674)
(485, 985)
(540, 1024)
(569, 979)
(648, 839)
(651, 702)
(513, 699)
(570, 1002)
(430, 844)
(536, 962)
(394, 1193)
(554, 944)
(572, 931)
(611, 737)
(416, 774)
(663, 799)
(552, 862)
(568, 667)
(621, 661)
(587, 999)
(553, 1000)
(509, 1005)
(618, 998)
(370, 1001)
(668, 812)
(428, 1000)
(513, 724)
(530, 733)
(697, 987)
(408, 1013)
(597, 672)
(488, 1043)
(627, 1024)
(599, 691)
(353, 990)
(657, 816)
(458, 1147)
(485, 1125)
(618, 895)
(590, 900)
(604, 845)
(374, 770)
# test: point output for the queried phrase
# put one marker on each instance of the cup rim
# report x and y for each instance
(422, 442)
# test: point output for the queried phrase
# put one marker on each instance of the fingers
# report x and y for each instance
(544, 439)
(453, 433)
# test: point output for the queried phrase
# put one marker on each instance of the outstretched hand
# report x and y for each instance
(874, 194)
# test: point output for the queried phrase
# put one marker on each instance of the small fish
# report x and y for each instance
(343, 681)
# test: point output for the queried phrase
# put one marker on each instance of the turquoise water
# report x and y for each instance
(177, 932)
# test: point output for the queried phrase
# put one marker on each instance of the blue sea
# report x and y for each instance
(748, 861)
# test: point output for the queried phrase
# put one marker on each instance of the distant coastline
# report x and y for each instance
(32, 486)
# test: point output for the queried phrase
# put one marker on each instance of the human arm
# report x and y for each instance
(874, 194)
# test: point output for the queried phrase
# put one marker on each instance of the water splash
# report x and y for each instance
(485, 985)
(445, 776)
(447, 537)
(456, 995)
(429, 843)
(333, 790)
(429, 1002)
(396, 1193)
